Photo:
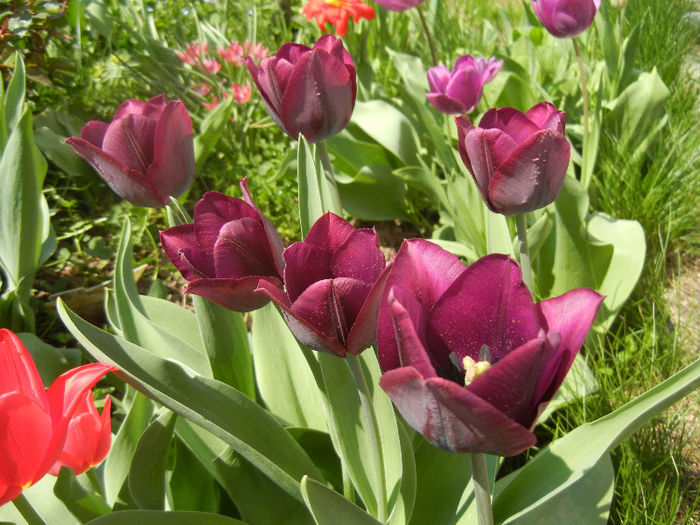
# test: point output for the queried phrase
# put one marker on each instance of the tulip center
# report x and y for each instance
(473, 369)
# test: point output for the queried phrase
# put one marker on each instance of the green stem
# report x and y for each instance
(482, 495)
(372, 429)
(27, 511)
(586, 171)
(521, 226)
(334, 204)
(431, 44)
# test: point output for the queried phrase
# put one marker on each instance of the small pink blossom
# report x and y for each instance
(210, 65)
(192, 52)
(241, 94)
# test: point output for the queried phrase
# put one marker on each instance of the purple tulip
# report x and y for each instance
(228, 249)
(518, 161)
(467, 357)
(398, 5)
(334, 282)
(308, 91)
(458, 91)
(566, 18)
(146, 154)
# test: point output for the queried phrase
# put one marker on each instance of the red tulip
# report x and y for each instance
(566, 18)
(228, 248)
(35, 423)
(518, 160)
(334, 281)
(337, 13)
(146, 154)
(467, 357)
(308, 91)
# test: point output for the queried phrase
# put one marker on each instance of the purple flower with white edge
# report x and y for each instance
(146, 154)
(459, 91)
(566, 18)
(334, 282)
(467, 357)
(230, 246)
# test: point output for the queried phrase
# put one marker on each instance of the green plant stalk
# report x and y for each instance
(521, 226)
(372, 430)
(482, 496)
(586, 171)
(331, 185)
(176, 213)
(27, 511)
(431, 44)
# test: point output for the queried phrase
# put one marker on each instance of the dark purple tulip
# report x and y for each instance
(334, 283)
(398, 5)
(458, 91)
(435, 318)
(518, 160)
(566, 18)
(145, 154)
(308, 91)
(228, 249)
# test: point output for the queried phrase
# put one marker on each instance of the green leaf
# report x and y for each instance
(319, 446)
(246, 427)
(329, 508)
(211, 129)
(191, 486)
(83, 502)
(13, 102)
(565, 461)
(309, 177)
(51, 362)
(160, 517)
(285, 381)
(148, 464)
(45, 503)
(578, 383)
(374, 193)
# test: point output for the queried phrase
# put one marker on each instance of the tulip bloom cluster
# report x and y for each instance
(467, 357)
(146, 154)
(42, 430)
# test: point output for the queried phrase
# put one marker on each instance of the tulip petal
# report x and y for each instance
(239, 295)
(438, 77)
(465, 86)
(546, 116)
(511, 121)
(359, 257)
(532, 176)
(329, 232)
(17, 370)
(451, 417)
(487, 305)
(273, 238)
(487, 149)
(214, 210)
(364, 330)
(305, 264)
(265, 80)
(464, 126)
(241, 249)
(173, 166)
(445, 104)
(94, 132)
(179, 244)
(130, 140)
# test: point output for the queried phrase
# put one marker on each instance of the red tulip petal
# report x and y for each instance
(532, 176)
(305, 264)
(451, 417)
(273, 238)
(17, 370)
(545, 116)
(131, 141)
(330, 232)
(335, 47)
(487, 305)
(438, 77)
(239, 295)
(151, 109)
(179, 245)
(241, 250)
(172, 168)
(8, 492)
(364, 330)
(445, 104)
(464, 126)
(511, 121)
(465, 86)
(214, 210)
(359, 257)
(94, 132)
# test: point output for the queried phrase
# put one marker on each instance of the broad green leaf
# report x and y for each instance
(284, 379)
(329, 508)
(314, 200)
(403, 509)
(373, 193)
(319, 446)
(579, 382)
(41, 498)
(51, 362)
(79, 498)
(224, 335)
(147, 472)
(211, 129)
(161, 517)
(350, 432)
(245, 426)
(423, 179)
(498, 237)
(565, 461)
(13, 102)
(191, 486)
(172, 317)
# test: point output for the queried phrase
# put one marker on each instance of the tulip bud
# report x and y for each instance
(618, 4)
(566, 18)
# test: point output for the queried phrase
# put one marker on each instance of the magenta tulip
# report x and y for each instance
(146, 154)
(230, 246)
(398, 5)
(467, 357)
(518, 160)
(35, 422)
(566, 18)
(458, 91)
(334, 282)
(308, 91)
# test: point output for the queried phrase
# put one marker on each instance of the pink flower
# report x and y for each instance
(192, 52)
(566, 18)
(241, 94)
(209, 65)
(233, 54)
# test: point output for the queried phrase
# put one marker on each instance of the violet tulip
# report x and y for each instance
(518, 160)
(146, 154)
(229, 247)
(308, 91)
(467, 357)
(566, 18)
(398, 5)
(458, 91)
(334, 282)
(35, 422)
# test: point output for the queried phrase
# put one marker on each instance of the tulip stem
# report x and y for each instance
(480, 478)
(586, 171)
(331, 185)
(372, 429)
(25, 508)
(431, 44)
(521, 226)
